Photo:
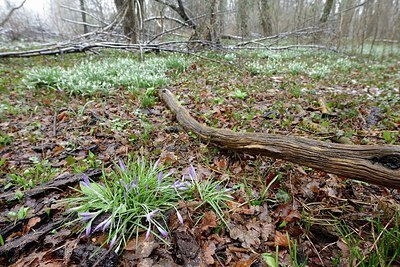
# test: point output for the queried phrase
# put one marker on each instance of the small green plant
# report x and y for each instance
(21, 214)
(270, 259)
(40, 172)
(390, 138)
(5, 139)
(239, 94)
(294, 260)
(296, 91)
(210, 192)
(148, 99)
(135, 197)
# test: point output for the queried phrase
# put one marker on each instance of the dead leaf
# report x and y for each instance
(144, 247)
(249, 238)
(222, 163)
(248, 262)
(209, 251)
(281, 239)
(266, 230)
(344, 248)
(168, 157)
(33, 260)
(293, 216)
(146, 263)
(31, 223)
(208, 221)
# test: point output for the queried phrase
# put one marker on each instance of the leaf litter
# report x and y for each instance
(79, 135)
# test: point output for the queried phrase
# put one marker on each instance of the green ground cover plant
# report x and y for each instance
(103, 76)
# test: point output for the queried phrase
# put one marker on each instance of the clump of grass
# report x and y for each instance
(88, 78)
(40, 172)
(148, 99)
(385, 248)
(134, 199)
(319, 71)
(5, 139)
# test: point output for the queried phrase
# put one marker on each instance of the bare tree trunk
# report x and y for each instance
(140, 15)
(265, 15)
(127, 8)
(180, 9)
(243, 17)
(4, 21)
(221, 19)
(213, 32)
(83, 14)
(327, 10)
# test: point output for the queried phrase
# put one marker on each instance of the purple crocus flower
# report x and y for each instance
(88, 228)
(179, 217)
(218, 187)
(192, 173)
(127, 188)
(122, 165)
(162, 231)
(73, 209)
(178, 185)
(85, 181)
(104, 225)
(148, 232)
(112, 242)
(151, 214)
(156, 164)
(160, 176)
(86, 216)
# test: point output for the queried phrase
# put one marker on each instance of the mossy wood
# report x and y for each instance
(377, 164)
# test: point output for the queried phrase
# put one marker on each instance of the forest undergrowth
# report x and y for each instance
(173, 200)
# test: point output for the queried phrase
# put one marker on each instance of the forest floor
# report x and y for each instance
(280, 214)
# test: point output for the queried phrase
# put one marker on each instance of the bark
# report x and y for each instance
(370, 163)
(327, 10)
(83, 14)
(243, 18)
(265, 15)
(180, 9)
(213, 32)
(127, 9)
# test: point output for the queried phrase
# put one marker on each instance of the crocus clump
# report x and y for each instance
(134, 198)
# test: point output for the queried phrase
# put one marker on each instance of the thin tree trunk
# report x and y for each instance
(265, 15)
(83, 14)
(327, 10)
(213, 31)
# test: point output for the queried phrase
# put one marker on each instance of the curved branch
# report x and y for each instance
(10, 13)
(369, 163)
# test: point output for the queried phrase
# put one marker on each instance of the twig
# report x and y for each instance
(55, 124)
(81, 23)
(85, 12)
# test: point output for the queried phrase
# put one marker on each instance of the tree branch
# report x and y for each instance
(10, 13)
(369, 163)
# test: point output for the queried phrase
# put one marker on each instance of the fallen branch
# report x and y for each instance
(369, 163)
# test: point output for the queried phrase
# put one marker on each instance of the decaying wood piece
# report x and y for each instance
(369, 163)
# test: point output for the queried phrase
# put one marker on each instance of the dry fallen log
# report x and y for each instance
(369, 163)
